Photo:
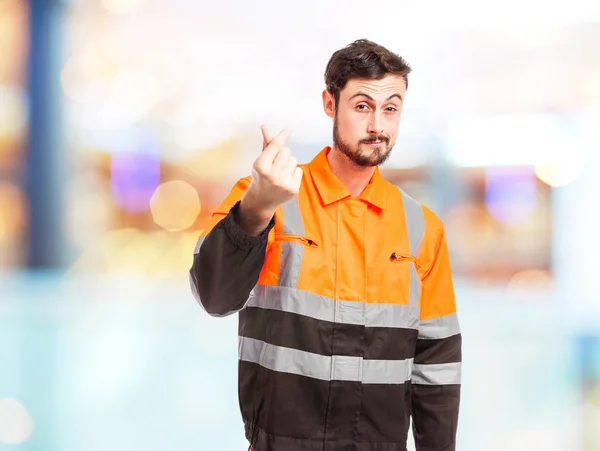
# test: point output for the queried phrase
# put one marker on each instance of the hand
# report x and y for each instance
(276, 178)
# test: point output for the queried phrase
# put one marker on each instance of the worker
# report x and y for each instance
(347, 316)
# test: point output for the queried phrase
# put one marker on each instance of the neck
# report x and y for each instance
(354, 177)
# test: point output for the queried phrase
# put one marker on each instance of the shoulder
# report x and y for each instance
(431, 221)
(423, 222)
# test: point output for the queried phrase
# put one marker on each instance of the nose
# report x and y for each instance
(375, 124)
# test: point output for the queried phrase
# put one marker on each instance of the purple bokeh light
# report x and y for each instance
(511, 195)
(135, 175)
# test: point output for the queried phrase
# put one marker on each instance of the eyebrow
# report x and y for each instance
(358, 94)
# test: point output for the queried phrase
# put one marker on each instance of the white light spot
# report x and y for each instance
(15, 423)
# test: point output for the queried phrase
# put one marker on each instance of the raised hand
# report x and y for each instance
(276, 178)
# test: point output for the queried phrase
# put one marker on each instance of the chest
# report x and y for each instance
(349, 250)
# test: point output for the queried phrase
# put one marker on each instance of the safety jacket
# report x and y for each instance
(347, 317)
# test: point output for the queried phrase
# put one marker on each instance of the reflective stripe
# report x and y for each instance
(442, 327)
(391, 315)
(198, 244)
(292, 217)
(438, 374)
(414, 294)
(386, 371)
(340, 368)
(291, 252)
(323, 308)
(344, 368)
(415, 222)
(415, 226)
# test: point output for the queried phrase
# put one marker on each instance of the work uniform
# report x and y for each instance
(347, 317)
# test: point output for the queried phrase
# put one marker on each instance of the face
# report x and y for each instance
(365, 122)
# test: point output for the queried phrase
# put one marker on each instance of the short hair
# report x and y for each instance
(362, 59)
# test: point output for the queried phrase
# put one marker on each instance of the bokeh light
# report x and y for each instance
(112, 88)
(530, 280)
(175, 205)
(84, 76)
(558, 175)
(16, 425)
(510, 193)
(13, 112)
(135, 173)
(12, 210)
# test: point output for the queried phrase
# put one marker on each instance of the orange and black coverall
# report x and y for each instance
(347, 317)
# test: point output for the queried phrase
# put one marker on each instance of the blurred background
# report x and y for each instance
(124, 123)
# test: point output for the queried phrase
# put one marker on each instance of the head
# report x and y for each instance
(365, 90)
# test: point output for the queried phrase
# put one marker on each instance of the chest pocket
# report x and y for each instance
(410, 265)
(290, 243)
(394, 269)
(389, 278)
(291, 248)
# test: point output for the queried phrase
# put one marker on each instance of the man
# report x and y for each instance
(347, 316)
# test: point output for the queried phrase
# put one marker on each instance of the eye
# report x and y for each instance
(362, 107)
(391, 109)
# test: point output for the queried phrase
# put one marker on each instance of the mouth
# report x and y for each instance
(374, 143)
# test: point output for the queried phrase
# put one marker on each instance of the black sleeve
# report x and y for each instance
(227, 264)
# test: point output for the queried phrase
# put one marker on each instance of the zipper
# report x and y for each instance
(296, 238)
(400, 257)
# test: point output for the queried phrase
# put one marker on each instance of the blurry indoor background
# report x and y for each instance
(124, 123)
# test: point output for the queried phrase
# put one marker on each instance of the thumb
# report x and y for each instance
(267, 135)
(297, 178)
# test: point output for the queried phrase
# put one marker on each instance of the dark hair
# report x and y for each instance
(362, 59)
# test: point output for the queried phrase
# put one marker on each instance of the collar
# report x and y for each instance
(331, 189)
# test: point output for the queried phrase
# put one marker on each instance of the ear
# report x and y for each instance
(328, 103)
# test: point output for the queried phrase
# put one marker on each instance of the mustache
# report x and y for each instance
(372, 139)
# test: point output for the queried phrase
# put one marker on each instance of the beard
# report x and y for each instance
(362, 157)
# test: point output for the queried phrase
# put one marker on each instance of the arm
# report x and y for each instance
(227, 260)
(437, 365)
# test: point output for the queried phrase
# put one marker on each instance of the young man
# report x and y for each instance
(347, 316)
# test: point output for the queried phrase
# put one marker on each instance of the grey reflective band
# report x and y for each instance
(437, 328)
(292, 217)
(414, 294)
(326, 368)
(415, 226)
(323, 308)
(438, 374)
(291, 252)
(415, 222)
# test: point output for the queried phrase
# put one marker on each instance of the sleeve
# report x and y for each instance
(435, 387)
(227, 262)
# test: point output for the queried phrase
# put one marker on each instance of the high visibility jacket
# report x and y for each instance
(347, 317)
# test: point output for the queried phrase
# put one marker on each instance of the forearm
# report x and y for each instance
(251, 216)
(227, 265)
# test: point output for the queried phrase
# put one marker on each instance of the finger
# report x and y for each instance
(281, 160)
(297, 178)
(267, 135)
(276, 145)
(288, 171)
